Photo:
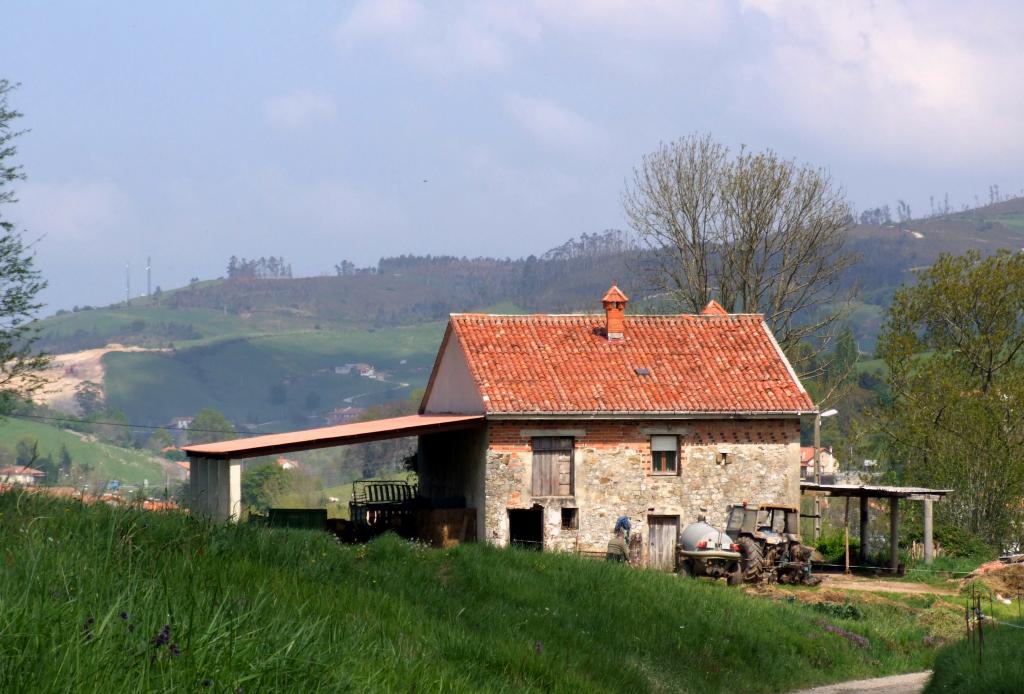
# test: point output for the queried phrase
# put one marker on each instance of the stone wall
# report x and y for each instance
(613, 475)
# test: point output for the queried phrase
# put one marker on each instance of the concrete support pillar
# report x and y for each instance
(928, 549)
(894, 533)
(863, 558)
(215, 488)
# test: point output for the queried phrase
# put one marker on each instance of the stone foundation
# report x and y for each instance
(613, 475)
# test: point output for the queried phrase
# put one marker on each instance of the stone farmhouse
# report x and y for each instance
(553, 426)
(592, 417)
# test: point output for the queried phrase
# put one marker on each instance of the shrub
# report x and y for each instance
(832, 547)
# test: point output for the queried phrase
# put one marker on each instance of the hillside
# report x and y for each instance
(264, 350)
(102, 599)
(287, 378)
(105, 462)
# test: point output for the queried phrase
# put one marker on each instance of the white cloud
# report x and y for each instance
(915, 79)
(554, 125)
(71, 212)
(298, 109)
(448, 38)
(439, 40)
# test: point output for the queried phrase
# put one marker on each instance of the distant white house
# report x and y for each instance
(365, 370)
(181, 422)
(343, 415)
(829, 465)
(287, 463)
(20, 474)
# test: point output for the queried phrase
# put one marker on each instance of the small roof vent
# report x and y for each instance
(642, 371)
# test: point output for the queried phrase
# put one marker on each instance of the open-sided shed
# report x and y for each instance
(215, 480)
(894, 494)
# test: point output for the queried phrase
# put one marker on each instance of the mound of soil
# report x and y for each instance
(1005, 579)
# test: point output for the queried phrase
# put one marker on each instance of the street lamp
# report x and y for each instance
(817, 467)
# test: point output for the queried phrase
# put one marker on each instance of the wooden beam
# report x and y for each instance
(928, 549)
(846, 533)
(863, 531)
(894, 534)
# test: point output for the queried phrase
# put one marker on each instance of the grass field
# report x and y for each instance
(102, 599)
(109, 462)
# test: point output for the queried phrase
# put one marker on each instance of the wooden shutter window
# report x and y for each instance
(553, 470)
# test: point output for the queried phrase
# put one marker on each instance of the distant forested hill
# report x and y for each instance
(408, 290)
(263, 349)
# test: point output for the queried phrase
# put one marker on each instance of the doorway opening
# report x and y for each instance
(526, 527)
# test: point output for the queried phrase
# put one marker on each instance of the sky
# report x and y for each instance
(323, 131)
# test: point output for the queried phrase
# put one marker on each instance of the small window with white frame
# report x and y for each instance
(665, 455)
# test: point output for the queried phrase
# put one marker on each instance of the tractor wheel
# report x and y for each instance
(735, 577)
(753, 560)
(686, 568)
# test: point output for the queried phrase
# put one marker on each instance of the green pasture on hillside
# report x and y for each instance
(271, 378)
(117, 600)
(114, 321)
(109, 462)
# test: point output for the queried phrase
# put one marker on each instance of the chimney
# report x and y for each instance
(615, 313)
(714, 309)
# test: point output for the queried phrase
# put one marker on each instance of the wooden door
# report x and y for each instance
(661, 542)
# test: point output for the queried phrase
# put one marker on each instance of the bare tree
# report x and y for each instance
(759, 233)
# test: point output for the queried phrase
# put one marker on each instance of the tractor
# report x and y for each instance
(768, 536)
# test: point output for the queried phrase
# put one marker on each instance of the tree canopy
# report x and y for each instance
(20, 282)
(208, 426)
(954, 348)
(756, 232)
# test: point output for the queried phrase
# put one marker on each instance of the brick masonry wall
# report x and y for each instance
(613, 474)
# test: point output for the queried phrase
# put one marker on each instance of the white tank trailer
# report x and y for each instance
(707, 551)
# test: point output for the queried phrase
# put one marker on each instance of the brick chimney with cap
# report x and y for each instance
(615, 313)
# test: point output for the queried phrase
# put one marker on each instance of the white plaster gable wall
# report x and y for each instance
(453, 390)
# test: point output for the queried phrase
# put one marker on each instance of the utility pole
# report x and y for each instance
(149, 277)
(817, 468)
(817, 475)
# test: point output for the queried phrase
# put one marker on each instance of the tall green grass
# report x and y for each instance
(101, 599)
(999, 670)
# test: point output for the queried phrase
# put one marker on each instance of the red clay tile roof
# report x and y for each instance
(21, 470)
(564, 364)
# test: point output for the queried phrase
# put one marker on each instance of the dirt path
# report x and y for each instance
(882, 585)
(894, 684)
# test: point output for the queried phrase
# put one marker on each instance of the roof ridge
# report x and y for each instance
(601, 315)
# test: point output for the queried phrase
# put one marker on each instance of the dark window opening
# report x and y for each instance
(553, 468)
(570, 519)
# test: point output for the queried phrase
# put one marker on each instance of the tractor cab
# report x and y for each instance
(770, 523)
